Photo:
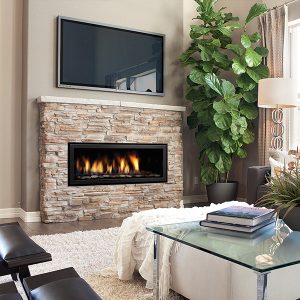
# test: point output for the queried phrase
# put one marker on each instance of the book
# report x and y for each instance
(241, 238)
(236, 227)
(241, 215)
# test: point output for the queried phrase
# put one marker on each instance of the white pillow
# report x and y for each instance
(275, 166)
(282, 156)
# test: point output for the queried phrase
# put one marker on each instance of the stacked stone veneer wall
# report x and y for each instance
(61, 123)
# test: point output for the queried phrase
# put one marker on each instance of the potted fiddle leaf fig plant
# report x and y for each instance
(222, 110)
(283, 194)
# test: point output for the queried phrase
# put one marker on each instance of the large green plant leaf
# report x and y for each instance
(207, 67)
(190, 82)
(252, 58)
(208, 173)
(197, 76)
(213, 153)
(202, 141)
(227, 17)
(198, 31)
(239, 126)
(228, 144)
(190, 61)
(224, 163)
(255, 37)
(238, 67)
(225, 40)
(241, 153)
(249, 110)
(222, 121)
(250, 97)
(213, 82)
(200, 105)
(233, 102)
(255, 11)
(214, 133)
(204, 118)
(245, 40)
(221, 58)
(226, 31)
(192, 120)
(195, 94)
(207, 5)
(186, 55)
(220, 107)
(248, 137)
(228, 89)
(245, 82)
(216, 43)
(206, 53)
(235, 48)
(235, 25)
(258, 72)
(262, 51)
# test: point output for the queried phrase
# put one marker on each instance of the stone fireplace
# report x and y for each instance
(107, 159)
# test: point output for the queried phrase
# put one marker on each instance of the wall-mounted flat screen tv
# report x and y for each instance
(101, 57)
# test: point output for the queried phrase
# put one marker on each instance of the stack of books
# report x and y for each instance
(239, 218)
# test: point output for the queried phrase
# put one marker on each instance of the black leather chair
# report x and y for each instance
(18, 251)
(256, 182)
(63, 284)
(8, 291)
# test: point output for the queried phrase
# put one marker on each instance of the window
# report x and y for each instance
(294, 119)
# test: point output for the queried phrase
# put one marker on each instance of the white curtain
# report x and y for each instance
(272, 29)
(293, 120)
(287, 113)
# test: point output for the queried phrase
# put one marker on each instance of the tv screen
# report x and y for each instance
(96, 56)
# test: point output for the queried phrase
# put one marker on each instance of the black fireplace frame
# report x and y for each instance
(112, 181)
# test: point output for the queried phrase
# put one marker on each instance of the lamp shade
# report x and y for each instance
(277, 92)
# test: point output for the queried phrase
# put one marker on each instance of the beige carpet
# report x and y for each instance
(89, 252)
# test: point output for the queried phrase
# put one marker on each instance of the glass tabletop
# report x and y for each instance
(267, 249)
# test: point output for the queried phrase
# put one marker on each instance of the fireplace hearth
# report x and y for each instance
(113, 163)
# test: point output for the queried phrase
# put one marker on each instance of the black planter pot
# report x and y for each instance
(292, 219)
(221, 192)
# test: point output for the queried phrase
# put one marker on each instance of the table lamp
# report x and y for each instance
(277, 93)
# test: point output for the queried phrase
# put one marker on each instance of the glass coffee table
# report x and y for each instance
(264, 251)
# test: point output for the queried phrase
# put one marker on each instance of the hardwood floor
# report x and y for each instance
(198, 204)
(41, 228)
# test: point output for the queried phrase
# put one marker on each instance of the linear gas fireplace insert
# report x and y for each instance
(102, 163)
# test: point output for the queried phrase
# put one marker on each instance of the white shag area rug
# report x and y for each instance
(89, 252)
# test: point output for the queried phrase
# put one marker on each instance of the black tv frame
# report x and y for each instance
(84, 87)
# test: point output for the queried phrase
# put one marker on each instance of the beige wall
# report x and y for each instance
(162, 16)
(39, 65)
(10, 98)
(191, 164)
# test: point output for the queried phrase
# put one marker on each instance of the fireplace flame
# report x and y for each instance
(97, 167)
(135, 162)
(129, 164)
(87, 166)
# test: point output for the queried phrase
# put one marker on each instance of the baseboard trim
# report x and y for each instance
(6, 213)
(30, 216)
(26, 216)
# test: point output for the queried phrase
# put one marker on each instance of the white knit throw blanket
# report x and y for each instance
(134, 247)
